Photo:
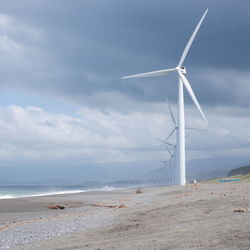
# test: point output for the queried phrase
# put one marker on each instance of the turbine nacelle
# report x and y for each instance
(181, 69)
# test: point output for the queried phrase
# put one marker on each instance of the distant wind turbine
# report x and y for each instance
(172, 153)
(181, 71)
(175, 126)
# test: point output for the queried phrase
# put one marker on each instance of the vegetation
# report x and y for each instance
(245, 178)
(240, 171)
(241, 174)
(242, 178)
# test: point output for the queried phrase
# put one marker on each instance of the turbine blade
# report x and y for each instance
(170, 144)
(165, 142)
(191, 93)
(160, 140)
(152, 73)
(169, 151)
(172, 132)
(171, 113)
(197, 129)
(185, 51)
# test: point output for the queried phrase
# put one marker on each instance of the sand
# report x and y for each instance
(203, 216)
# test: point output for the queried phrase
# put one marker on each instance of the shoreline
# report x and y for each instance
(22, 218)
(62, 192)
(190, 217)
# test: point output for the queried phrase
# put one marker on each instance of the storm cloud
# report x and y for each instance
(82, 48)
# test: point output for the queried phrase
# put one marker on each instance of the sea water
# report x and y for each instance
(10, 192)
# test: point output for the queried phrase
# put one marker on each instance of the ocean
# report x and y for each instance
(10, 192)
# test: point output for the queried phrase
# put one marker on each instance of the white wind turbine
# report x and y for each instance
(181, 71)
(172, 153)
(175, 129)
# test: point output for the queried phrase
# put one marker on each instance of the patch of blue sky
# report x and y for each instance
(10, 97)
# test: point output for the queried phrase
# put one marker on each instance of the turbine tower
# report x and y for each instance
(181, 71)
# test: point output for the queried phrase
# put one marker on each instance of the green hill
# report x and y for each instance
(239, 178)
(240, 171)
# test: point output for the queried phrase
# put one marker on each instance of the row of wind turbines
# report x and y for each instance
(170, 163)
(179, 149)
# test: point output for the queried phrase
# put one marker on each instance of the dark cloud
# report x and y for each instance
(82, 48)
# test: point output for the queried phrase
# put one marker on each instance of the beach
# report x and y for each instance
(202, 216)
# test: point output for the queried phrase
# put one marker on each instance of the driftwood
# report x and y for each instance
(108, 206)
(122, 206)
(240, 210)
(56, 206)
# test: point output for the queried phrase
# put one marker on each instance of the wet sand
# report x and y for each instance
(191, 217)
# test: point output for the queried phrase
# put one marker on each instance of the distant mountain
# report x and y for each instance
(201, 169)
(240, 171)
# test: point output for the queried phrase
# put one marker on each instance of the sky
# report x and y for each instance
(65, 111)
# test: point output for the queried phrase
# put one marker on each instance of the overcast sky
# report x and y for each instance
(62, 100)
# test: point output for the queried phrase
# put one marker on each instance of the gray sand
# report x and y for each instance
(26, 220)
(192, 217)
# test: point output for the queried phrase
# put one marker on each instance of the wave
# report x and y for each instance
(57, 192)
(13, 196)
(7, 196)
(108, 188)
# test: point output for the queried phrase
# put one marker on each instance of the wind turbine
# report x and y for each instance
(172, 153)
(181, 71)
(176, 126)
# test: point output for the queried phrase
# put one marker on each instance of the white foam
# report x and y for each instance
(7, 196)
(57, 192)
(106, 188)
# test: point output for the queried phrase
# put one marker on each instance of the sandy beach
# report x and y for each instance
(203, 216)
